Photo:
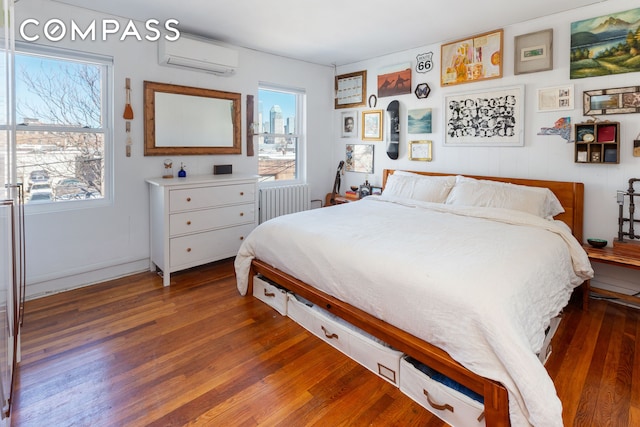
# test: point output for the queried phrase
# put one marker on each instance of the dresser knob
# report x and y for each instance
(242, 193)
(188, 222)
(188, 249)
(188, 199)
(241, 213)
(241, 237)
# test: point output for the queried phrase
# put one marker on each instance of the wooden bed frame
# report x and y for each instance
(496, 405)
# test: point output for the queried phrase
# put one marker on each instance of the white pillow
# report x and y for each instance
(478, 192)
(406, 173)
(423, 188)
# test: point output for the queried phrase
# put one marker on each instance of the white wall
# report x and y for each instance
(542, 157)
(71, 248)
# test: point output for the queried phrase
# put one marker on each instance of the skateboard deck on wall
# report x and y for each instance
(394, 129)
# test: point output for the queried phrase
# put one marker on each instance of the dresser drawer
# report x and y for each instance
(195, 249)
(203, 197)
(208, 219)
(448, 404)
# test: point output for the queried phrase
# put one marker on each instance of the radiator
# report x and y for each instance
(276, 201)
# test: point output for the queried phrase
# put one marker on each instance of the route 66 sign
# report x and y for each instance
(424, 62)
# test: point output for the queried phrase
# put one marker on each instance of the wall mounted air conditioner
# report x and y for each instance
(198, 54)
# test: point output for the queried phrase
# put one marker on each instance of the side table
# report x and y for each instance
(618, 255)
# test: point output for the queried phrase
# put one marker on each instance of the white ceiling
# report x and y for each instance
(334, 32)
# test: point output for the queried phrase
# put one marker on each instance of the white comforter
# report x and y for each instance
(480, 283)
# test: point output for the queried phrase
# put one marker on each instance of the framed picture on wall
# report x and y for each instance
(349, 124)
(351, 89)
(394, 80)
(419, 120)
(420, 150)
(533, 52)
(556, 98)
(619, 100)
(359, 158)
(372, 125)
(591, 54)
(498, 113)
(471, 60)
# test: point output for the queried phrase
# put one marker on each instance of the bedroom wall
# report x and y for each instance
(71, 248)
(541, 157)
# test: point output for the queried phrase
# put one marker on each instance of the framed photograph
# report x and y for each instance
(556, 98)
(351, 89)
(599, 46)
(349, 124)
(419, 120)
(611, 101)
(490, 118)
(376, 191)
(372, 125)
(420, 150)
(533, 52)
(359, 158)
(470, 60)
(395, 80)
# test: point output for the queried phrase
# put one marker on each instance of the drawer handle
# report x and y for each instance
(188, 199)
(188, 249)
(269, 294)
(241, 237)
(434, 405)
(242, 193)
(241, 213)
(328, 335)
(188, 222)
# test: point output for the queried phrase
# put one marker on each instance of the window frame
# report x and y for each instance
(300, 124)
(107, 126)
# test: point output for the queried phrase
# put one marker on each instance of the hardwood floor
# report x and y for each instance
(130, 353)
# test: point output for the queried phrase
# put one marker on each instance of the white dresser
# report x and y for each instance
(199, 219)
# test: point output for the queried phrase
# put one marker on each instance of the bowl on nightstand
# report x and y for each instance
(597, 243)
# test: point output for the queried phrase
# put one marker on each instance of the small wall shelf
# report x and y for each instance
(597, 142)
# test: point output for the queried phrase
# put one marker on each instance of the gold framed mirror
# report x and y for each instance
(184, 120)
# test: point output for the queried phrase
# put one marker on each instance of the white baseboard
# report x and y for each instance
(78, 279)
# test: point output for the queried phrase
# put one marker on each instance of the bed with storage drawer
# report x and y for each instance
(462, 274)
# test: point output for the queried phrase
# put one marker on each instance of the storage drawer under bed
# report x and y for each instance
(270, 294)
(428, 389)
(355, 343)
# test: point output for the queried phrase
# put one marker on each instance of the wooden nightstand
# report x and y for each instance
(622, 255)
(338, 199)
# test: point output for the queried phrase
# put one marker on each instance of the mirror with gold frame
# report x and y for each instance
(184, 120)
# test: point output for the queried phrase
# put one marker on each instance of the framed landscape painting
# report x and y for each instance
(605, 45)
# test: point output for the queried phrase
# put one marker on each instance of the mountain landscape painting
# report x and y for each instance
(606, 45)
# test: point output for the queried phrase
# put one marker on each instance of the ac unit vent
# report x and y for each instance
(198, 54)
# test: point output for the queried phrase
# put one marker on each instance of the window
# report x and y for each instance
(62, 125)
(281, 134)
